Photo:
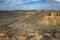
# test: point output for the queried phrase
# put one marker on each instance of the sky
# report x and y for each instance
(29, 4)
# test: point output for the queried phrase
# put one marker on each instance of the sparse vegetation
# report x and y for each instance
(24, 22)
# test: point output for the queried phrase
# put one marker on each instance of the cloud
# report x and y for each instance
(29, 4)
(57, 0)
(42, 6)
(2, 1)
(16, 1)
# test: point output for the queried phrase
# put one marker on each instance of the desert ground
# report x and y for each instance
(30, 25)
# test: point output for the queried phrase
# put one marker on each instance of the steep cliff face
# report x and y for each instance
(57, 18)
(50, 19)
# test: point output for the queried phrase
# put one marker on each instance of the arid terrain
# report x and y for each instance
(30, 22)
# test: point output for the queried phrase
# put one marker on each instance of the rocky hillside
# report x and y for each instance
(29, 19)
